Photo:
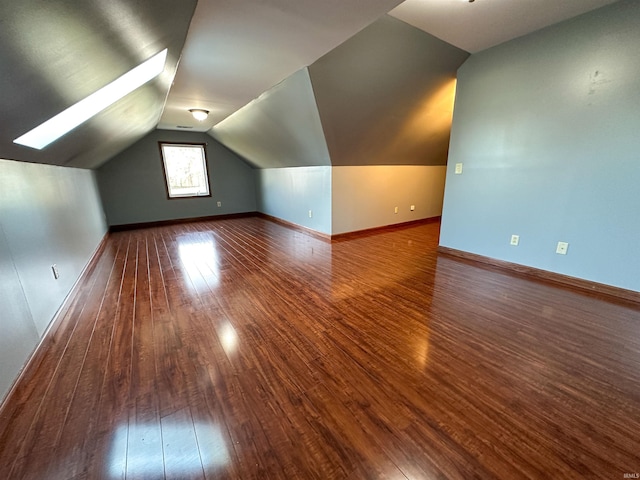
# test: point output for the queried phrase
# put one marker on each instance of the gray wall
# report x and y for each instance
(385, 96)
(133, 189)
(546, 127)
(281, 128)
(289, 194)
(48, 215)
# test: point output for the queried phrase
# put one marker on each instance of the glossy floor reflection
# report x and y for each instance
(142, 450)
(243, 349)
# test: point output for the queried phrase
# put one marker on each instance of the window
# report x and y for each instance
(185, 169)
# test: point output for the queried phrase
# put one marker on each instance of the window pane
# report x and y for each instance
(185, 169)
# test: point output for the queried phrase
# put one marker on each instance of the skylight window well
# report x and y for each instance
(76, 114)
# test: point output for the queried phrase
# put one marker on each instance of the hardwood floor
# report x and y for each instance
(243, 349)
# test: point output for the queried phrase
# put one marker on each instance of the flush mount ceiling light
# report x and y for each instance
(76, 114)
(199, 114)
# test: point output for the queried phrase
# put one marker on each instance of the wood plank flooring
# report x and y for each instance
(242, 349)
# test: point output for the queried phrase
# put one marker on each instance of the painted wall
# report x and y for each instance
(365, 197)
(380, 102)
(385, 96)
(546, 127)
(133, 189)
(289, 194)
(281, 128)
(48, 215)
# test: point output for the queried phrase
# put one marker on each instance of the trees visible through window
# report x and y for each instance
(185, 169)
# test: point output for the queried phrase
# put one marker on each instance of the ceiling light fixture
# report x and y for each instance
(80, 112)
(199, 114)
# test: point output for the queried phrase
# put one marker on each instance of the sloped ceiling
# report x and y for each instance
(55, 53)
(386, 95)
(482, 24)
(238, 49)
(281, 128)
(383, 97)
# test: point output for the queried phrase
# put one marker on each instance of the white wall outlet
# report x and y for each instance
(515, 240)
(458, 170)
(56, 273)
(395, 210)
(219, 204)
(310, 214)
(413, 207)
(562, 248)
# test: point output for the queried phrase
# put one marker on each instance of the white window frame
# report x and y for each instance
(205, 190)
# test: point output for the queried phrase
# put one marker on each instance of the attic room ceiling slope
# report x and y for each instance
(385, 96)
(57, 52)
(281, 128)
(485, 23)
(54, 54)
(236, 50)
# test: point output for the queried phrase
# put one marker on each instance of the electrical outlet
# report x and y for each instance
(56, 273)
(219, 204)
(413, 207)
(310, 214)
(395, 210)
(515, 240)
(562, 248)
(458, 170)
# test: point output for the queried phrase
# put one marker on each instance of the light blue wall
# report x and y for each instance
(48, 215)
(547, 128)
(289, 194)
(133, 189)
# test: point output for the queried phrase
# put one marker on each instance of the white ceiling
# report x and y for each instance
(236, 50)
(484, 23)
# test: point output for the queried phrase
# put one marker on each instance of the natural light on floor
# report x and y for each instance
(200, 261)
(192, 446)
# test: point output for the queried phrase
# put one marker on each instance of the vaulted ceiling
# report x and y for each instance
(383, 97)
(55, 53)
(222, 54)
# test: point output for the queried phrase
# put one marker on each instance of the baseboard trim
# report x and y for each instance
(177, 221)
(599, 289)
(341, 237)
(48, 337)
(314, 233)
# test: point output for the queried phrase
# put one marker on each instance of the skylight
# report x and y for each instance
(76, 114)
